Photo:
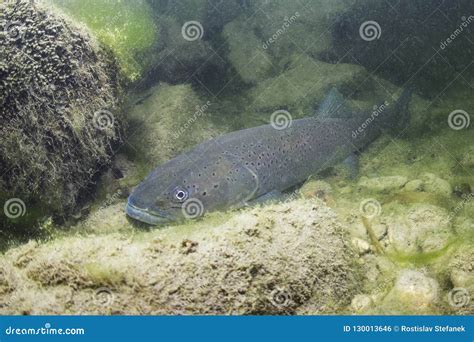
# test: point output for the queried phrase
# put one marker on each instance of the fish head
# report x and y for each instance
(177, 191)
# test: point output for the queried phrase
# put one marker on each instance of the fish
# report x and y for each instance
(245, 166)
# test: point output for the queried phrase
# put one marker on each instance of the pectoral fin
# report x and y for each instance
(269, 197)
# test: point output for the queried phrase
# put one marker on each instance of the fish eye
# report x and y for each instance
(180, 194)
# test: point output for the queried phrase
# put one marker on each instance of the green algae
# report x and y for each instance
(102, 275)
(423, 259)
(126, 28)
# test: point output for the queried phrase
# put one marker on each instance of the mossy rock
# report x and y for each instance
(60, 110)
(303, 85)
(290, 26)
(246, 54)
(241, 263)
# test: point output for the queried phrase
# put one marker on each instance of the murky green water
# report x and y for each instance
(97, 94)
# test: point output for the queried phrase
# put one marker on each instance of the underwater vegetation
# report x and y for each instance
(96, 94)
(129, 33)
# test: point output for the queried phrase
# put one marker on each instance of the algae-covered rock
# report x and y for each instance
(303, 84)
(382, 184)
(424, 228)
(468, 158)
(434, 184)
(317, 189)
(414, 185)
(290, 26)
(275, 259)
(59, 120)
(169, 120)
(126, 28)
(251, 61)
(413, 292)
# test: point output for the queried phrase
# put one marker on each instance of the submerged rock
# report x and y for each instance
(59, 120)
(275, 259)
(413, 292)
(432, 183)
(424, 228)
(302, 85)
(250, 60)
(382, 184)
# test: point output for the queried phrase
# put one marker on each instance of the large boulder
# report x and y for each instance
(59, 120)
(279, 259)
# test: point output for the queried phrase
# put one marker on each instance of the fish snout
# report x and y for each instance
(143, 214)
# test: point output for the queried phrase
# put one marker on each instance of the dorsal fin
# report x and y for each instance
(333, 106)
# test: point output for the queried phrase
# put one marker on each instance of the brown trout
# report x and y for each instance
(234, 169)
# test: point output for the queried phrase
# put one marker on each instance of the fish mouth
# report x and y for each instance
(145, 216)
